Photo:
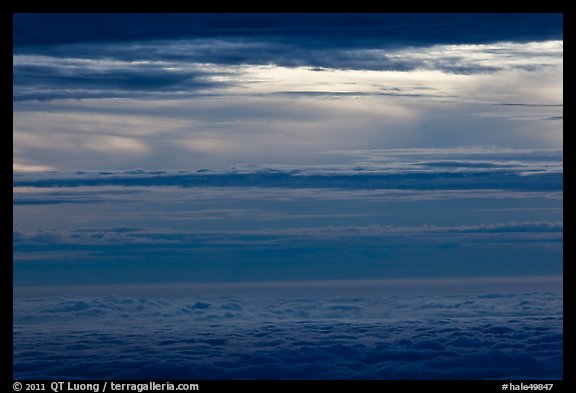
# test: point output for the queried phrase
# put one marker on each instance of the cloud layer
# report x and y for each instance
(279, 88)
(392, 169)
(377, 214)
(179, 69)
(487, 336)
(311, 30)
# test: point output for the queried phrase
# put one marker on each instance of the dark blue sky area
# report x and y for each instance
(325, 30)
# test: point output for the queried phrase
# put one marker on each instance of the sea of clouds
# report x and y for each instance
(395, 336)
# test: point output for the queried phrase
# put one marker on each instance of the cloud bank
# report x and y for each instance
(487, 336)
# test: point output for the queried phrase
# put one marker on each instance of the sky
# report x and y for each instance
(288, 196)
(159, 148)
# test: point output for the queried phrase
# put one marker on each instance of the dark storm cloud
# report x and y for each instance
(44, 78)
(334, 41)
(307, 30)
